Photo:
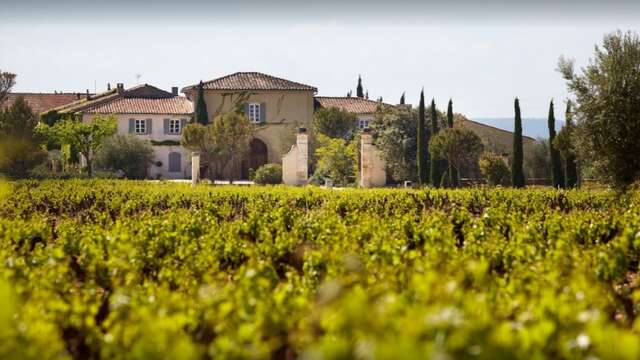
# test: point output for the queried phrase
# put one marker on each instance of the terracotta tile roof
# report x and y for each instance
(251, 81)
(141, 99)
(354, 105)
(41, 102)
(177, 105)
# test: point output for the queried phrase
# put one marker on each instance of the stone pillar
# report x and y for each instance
(372, 172)
(295, 163)
(195, 168)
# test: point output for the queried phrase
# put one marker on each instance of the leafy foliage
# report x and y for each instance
(200, 113)
(557, 174)
(225, 141)
(335, 123)
(459, 146)
(126, 153)
(395, 133)
(268, 174)
(7, 81)
(86, 137)
(422, 143)
(106, 269)
(337, 159)
(19, 150)
(517, 171)
(607, 108)
(494, 169)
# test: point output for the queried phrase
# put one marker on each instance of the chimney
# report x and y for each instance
(120, 88)
(174, 91)
(108, 86)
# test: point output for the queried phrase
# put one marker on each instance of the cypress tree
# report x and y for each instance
(402, 99)
(571, 165)
(453, 173)
(423, 173)
(434, 165)
(200, 114)
(359, 90)
(517, 173)
(557, 177)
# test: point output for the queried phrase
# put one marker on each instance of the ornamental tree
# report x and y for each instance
(607, 107)
(459, 146)
(86, 137)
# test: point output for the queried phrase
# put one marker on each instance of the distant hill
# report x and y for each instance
(534, 127)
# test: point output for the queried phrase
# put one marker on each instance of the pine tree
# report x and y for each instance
(402, 99)
(359, 90)
(452, 171)
(423, 156)
(200, 114)
(571, 165)
(517, 173)
(434, 165)
(557, 177)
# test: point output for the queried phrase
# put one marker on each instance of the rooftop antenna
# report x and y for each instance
(138, 76)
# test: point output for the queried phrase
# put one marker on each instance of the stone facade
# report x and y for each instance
(295, 163)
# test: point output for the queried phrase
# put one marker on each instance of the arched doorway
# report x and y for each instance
(257, 156)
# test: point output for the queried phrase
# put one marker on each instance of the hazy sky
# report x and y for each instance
(480, 54)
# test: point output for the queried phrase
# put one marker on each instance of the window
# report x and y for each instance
(254, 112)
(363, 124)
(140, 126)
(174, 126)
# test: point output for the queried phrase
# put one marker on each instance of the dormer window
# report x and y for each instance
(254, 112)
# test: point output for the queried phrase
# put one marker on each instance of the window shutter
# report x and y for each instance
(166, 126)
(183, 123)
(132, 126)
(263, 112)
(246, 110)
(149, 128)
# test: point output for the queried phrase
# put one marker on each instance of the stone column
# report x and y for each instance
(295, 163)
(302, 164)
(195, 168)
(372, 168)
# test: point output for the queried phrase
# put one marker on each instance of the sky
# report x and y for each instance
(480, 54)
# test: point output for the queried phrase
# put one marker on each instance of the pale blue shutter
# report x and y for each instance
(246, 110)
(263, 112)
(132, 126)
(149, 127)
(166, 126)
(183, 123)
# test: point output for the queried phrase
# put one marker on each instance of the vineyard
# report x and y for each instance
(116, 269)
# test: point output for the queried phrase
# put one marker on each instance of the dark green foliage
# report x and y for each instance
(607, 108)
(395, 130)
(268, 174)
(517, 172)
(126, 153)
(434, 165)
(19, 150)
(359, 89)
(494, 169)
(335, 123)
(570, 160)
(422, 143)
(557, 175)
(452, 171)
(200, 115)
(402, 100)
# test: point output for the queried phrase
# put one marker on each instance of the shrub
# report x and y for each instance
(127, 154)
(494, 169)
(337, 159)
(268, 174)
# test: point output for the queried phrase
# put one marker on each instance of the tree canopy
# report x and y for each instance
(607, 107)
(335, 123)
(459, 146)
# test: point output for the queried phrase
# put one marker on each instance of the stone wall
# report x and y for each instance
(295, 163)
